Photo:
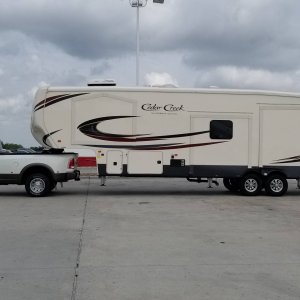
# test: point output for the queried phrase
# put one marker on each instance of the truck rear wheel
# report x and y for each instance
(276, 185)
(250, 185)
(37, 185)
(231, 184)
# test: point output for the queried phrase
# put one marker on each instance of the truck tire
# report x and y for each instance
(38, 185)
(231, 184)
(276, 185)
(250, 185)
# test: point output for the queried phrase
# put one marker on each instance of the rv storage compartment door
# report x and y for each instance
(279, 135)
(145, 162)
(114, 162)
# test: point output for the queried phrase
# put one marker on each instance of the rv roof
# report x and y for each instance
(173, 90)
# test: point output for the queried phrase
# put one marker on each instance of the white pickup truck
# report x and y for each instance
(39, 172)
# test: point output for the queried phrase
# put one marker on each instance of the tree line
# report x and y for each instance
(14, 147)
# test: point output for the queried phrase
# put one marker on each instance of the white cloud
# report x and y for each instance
(244, 78)
(11, 105)
(160, 79)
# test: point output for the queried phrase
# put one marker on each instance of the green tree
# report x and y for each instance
(11, 146)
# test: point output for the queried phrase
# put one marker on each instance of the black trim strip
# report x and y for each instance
(181, 146)
(154, 147)
(139, 147)
(9, 179)
(211, 171)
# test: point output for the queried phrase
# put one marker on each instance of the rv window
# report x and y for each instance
(221, 130)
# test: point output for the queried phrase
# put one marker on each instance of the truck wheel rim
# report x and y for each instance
(251, 185)
(37, 185)
(276, 185)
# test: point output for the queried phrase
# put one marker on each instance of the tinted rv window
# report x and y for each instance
(221, 130)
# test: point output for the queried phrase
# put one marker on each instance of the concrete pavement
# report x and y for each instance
(148, 239)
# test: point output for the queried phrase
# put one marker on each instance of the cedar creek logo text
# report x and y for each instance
(168, 107)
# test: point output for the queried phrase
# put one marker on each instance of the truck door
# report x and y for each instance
(9, 165)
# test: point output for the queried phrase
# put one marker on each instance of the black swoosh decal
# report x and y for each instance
(292, 159)
(89, 128)
(42, 103)
(45, 137)
(55, 99)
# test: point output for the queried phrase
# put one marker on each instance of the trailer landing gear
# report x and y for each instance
(102, 180)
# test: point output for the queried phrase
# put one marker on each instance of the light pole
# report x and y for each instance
(137, 4)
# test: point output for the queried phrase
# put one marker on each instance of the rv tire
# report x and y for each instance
(250, 184)
(276, 185)
(231, 184)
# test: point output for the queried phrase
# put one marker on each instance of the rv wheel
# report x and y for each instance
(250, 185)
(231, 184)
(276, 185)
(37, 185)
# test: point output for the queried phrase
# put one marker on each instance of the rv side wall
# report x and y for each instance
(180, 133)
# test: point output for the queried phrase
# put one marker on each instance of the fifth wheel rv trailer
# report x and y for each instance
(248, 138)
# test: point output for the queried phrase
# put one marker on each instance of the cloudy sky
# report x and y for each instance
(196, 43)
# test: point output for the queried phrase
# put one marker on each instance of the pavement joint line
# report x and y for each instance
(77, 264)
(188, 266)
(34, 269)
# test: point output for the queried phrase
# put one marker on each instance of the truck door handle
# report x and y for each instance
(159, 162)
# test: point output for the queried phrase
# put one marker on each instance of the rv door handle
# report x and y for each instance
(159, 162)
(115, 163)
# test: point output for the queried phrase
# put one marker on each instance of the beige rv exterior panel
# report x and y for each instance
(147, 125)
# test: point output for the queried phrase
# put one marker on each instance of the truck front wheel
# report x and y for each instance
(38, 185)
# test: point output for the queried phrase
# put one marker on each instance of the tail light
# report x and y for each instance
(72, 163)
